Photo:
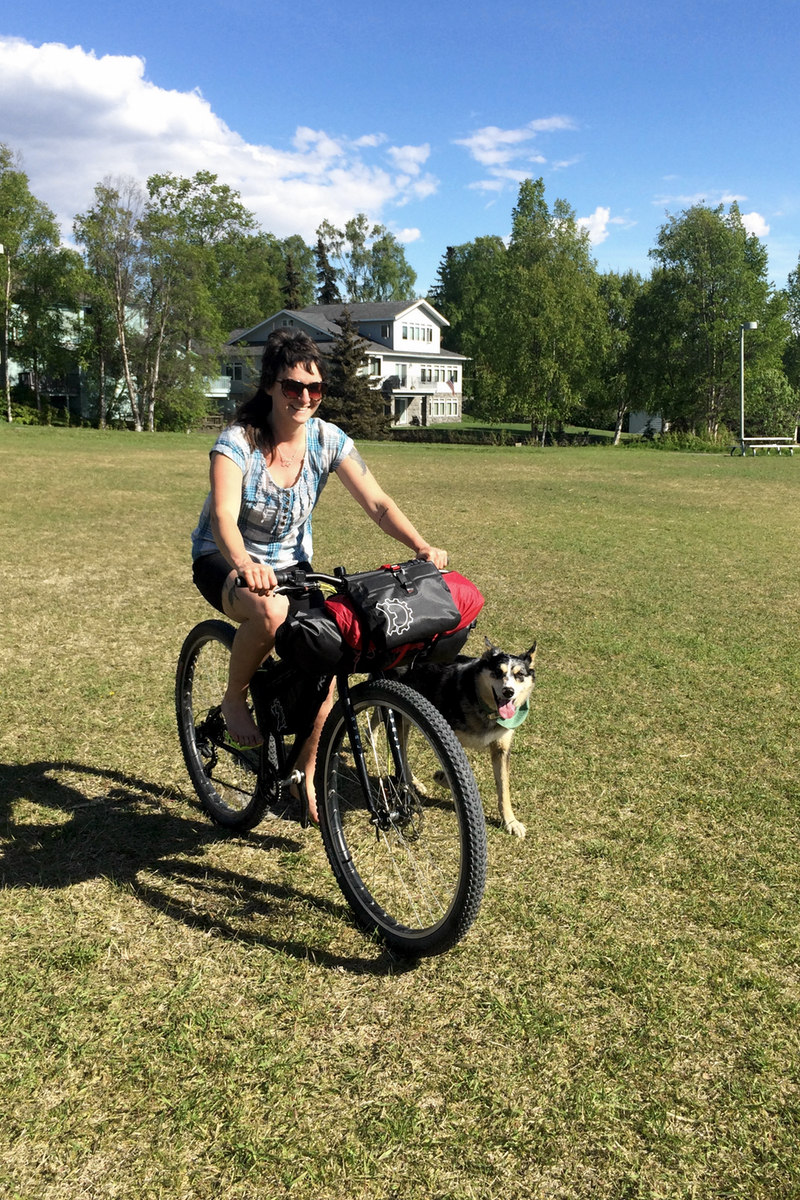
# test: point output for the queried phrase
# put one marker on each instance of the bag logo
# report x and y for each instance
(278, 715)
(398, 615)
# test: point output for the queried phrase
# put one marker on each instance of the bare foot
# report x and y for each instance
(242, 729)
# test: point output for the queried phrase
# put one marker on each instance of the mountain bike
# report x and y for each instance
(399, 810)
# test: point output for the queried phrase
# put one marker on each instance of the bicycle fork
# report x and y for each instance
(383, 817)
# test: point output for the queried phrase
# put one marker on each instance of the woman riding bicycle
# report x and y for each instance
(268, 469)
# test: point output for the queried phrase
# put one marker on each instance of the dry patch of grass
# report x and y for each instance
(186, 1014)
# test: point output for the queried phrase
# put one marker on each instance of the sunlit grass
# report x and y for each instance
(186, 1014)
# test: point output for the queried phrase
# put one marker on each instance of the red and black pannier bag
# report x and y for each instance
(382, 618)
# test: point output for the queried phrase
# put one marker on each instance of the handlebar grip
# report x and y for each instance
(286, 576)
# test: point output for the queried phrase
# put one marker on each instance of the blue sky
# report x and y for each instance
(425, 115)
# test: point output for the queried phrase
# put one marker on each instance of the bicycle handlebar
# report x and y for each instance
(295, 578)
(298, 579)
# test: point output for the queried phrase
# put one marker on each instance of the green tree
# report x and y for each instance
(547, 332)
(350, 402)
(303, 268)
(252, 275)
(370, 264)
(710, 276)
(791, 355)
(110, 236)
(772, 408)
(291, 288)
(614, 389)
(327, 278)
(30, 239)
(45, 302)
(467, 292)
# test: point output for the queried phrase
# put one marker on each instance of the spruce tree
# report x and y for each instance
(291, 289)
(328, 290)
(351, 403)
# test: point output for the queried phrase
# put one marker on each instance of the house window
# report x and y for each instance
(426, 374)
(233, 370)
(384, 331)
(405, 331)
(401, 370)
(454, 376)
(374, 366)
(286, 321)
(430, 334)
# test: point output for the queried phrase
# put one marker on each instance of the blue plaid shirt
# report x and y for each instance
(275, 522)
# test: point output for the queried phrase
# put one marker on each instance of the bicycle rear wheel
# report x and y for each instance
(225, 779)
(414, 873)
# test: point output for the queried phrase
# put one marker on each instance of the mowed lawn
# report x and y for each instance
(192, 1015)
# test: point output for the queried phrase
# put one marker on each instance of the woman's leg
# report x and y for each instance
(259, 618)
(307, 759)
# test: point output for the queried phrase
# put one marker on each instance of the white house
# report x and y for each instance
(421, 381)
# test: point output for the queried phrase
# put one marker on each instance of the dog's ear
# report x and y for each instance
(530, 655)
(490, 647)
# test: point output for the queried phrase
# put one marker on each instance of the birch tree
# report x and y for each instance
(111, 239)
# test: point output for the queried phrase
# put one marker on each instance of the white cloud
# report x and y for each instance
(563, 163)
(597, 224)
(497, 149)
(710, 197)
(408, 235)
(487, 185)
(77, 118)
(493, 147)
(371, 139)
(409, 159)
(755, 223)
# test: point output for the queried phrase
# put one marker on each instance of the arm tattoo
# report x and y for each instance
(358, 460)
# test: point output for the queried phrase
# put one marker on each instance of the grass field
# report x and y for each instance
(189, 1015)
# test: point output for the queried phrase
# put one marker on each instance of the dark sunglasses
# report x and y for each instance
(293, 389)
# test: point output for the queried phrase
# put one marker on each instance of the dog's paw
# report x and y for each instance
(440, 778)
(419, 786)
(516, 828)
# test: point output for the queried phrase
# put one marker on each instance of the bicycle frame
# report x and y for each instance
(264, 695)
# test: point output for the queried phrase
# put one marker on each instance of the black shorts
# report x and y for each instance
(209, 573)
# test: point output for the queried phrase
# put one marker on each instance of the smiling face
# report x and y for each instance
(290, 411)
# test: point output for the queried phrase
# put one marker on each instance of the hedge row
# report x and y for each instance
(493, 437)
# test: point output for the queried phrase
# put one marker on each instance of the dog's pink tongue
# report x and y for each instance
(507, 710)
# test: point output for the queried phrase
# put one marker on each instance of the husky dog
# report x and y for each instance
(483, 700)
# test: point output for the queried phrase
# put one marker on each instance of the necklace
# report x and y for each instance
(287, 462)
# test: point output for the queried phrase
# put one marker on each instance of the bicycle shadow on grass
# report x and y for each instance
(130, 835)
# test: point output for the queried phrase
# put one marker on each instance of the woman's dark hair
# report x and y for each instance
(285, 348)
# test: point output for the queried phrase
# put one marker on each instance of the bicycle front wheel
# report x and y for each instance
(224, 777)
(414, 870)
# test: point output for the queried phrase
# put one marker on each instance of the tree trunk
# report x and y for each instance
(37, 389)
(102, 390)
(151, 399)
(6, 314)
(119, 313)
(621, 411)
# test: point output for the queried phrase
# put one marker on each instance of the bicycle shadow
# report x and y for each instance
(131, 835)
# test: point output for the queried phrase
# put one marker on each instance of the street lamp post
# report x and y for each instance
(742, 327)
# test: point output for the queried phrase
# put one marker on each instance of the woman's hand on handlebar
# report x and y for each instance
(433, 554)
(258, 577)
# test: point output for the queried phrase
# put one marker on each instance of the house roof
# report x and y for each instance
(384, 310)
(322, 317)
